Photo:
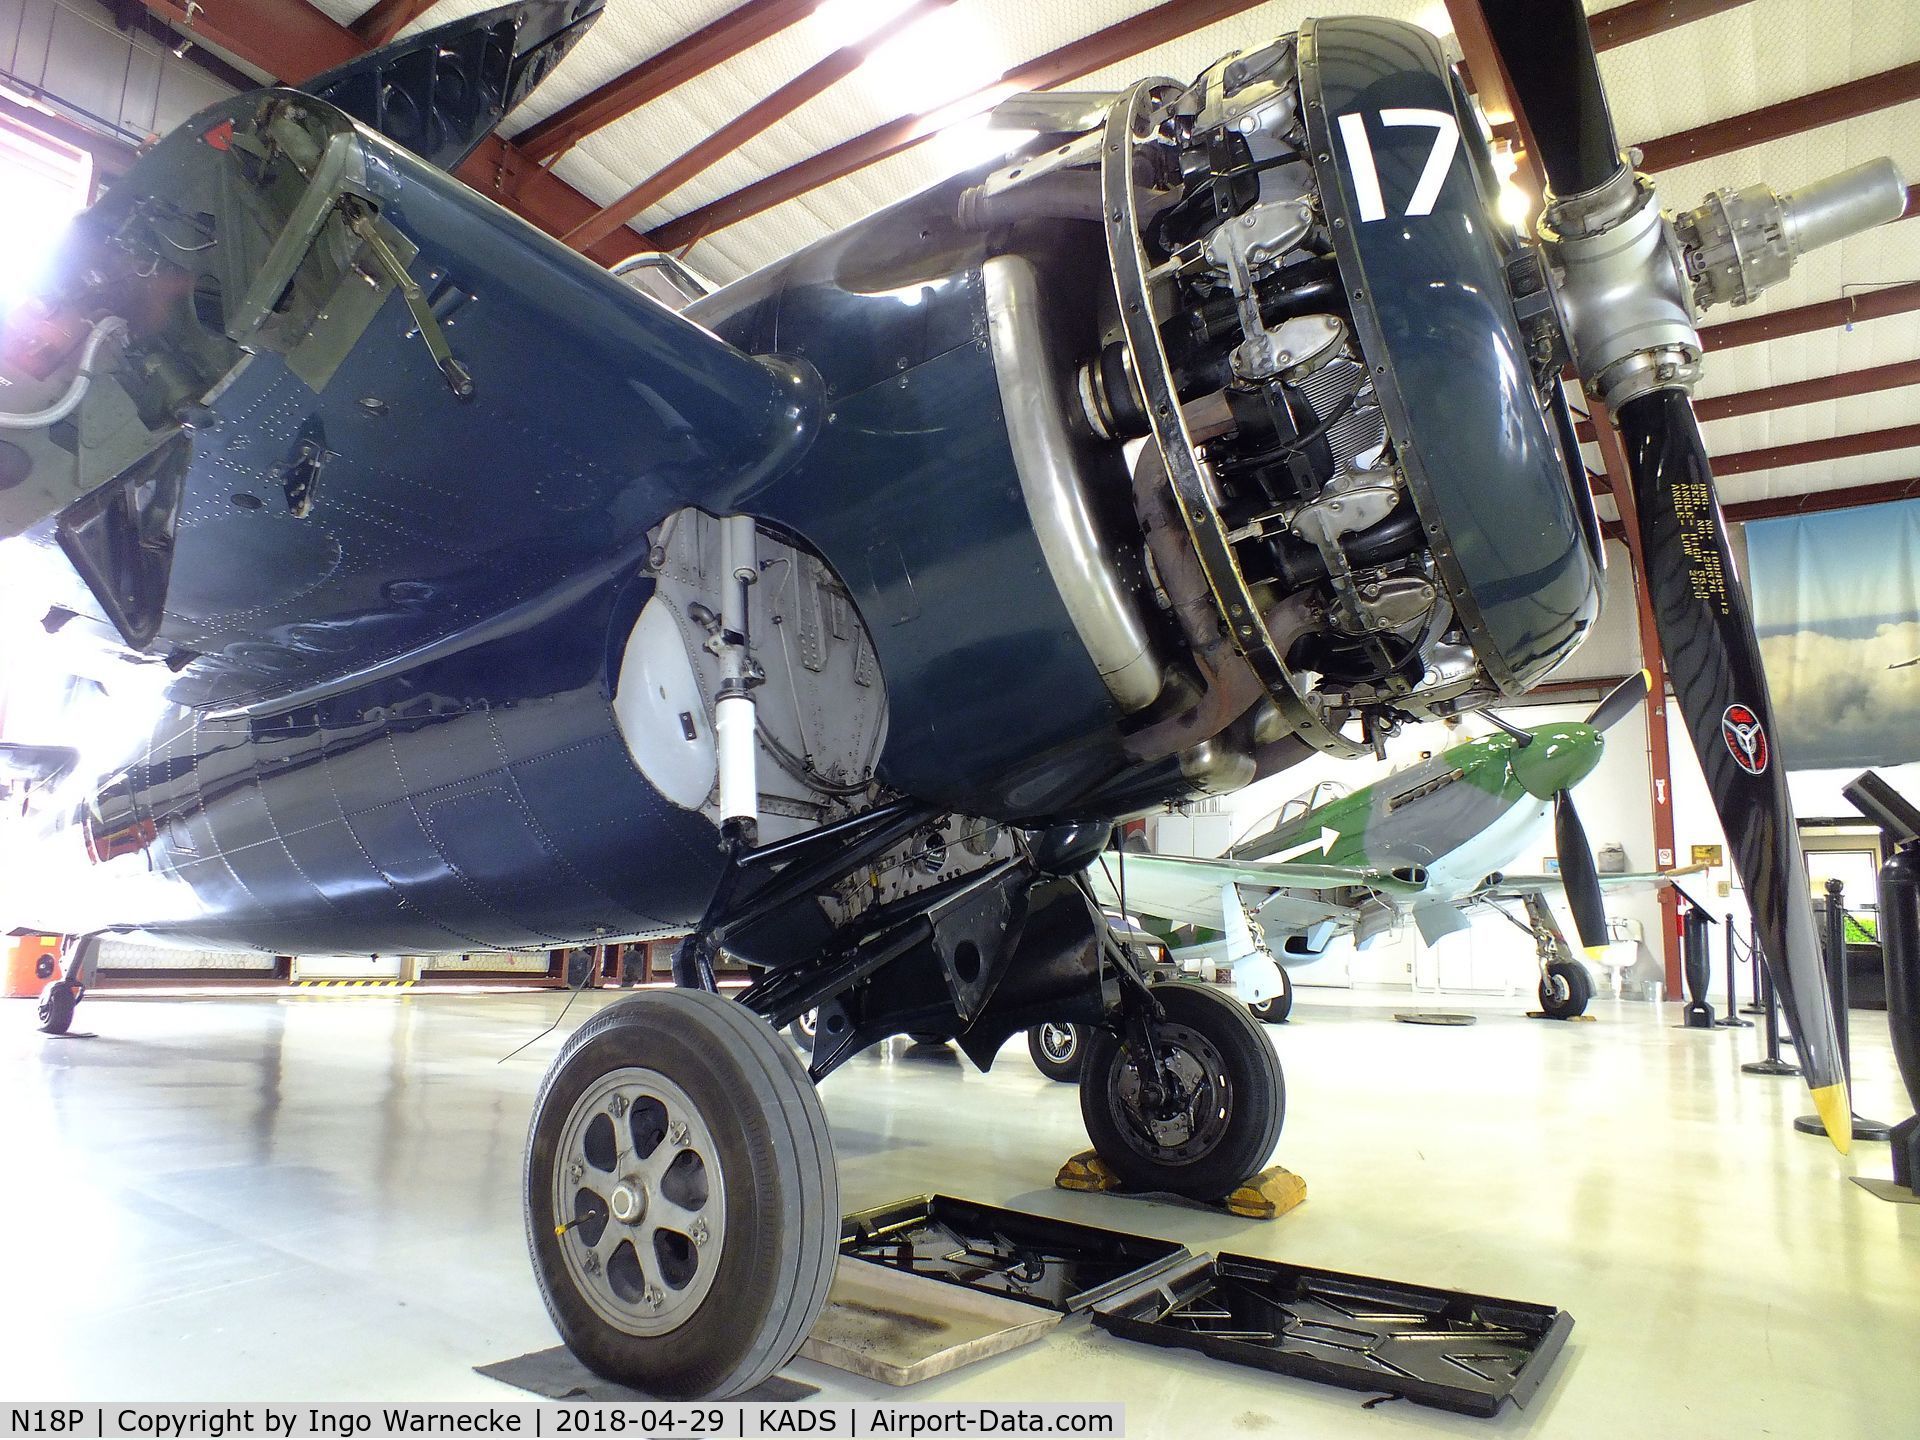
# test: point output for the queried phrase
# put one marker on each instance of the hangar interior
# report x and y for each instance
(256, 1169)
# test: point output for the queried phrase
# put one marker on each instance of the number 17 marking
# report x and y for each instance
(1366, 178)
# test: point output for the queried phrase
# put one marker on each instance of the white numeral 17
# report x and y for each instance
(1366, 179)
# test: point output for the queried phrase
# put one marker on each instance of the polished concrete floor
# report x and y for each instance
(317, 1197)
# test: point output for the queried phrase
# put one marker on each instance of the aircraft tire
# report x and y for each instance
(57, 1004)
(1565, 989)
(1276, 1010)
(803, 1027)
(1208, 1039)
(1059, 1051)
(723, 1251)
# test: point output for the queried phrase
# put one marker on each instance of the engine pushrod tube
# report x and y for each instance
(1191, 480)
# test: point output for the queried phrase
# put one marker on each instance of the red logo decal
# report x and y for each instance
(1745, 737)
(220, 137)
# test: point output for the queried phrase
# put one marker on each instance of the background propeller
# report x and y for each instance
(1705, 628)
(1566, 755)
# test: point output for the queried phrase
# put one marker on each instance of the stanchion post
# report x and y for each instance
(1759, 976)
(1769, 1007)
(1731, 1020)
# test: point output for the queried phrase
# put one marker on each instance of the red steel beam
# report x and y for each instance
(1167, 21)
(1818, 501)
(1803, 392)
(739, 29)
(1823, 315)
(1789, 117)
(388, 18)
(1653, 658)
(815, 80)
(289, 39)
(1808, 452)
(1642, 19)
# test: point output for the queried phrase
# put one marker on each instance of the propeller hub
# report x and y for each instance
(1561, 755)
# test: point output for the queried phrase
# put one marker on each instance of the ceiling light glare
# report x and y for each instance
(940, 58)
(848, 22)
(1513, 203)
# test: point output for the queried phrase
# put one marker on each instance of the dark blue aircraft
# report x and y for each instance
(465, 597)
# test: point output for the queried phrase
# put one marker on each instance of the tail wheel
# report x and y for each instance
(804, 1027)
(1275, 1011)
(1201, 1121)
(1565, 989)
(1059, 1051)
(681, 1201)
(57, 1004)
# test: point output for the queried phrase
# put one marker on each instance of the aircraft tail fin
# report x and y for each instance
(441, 92)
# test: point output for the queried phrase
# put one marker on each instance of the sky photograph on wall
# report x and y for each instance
(1836, 599)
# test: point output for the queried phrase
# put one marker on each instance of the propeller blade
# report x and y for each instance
(1579, 876)
(1553, 79)
(1619, 702)
(1713, 657)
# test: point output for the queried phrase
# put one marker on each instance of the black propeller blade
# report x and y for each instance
(1714, 659)
(1700, 611)
(1619, 702)
(1547, 52)
(1579, 876)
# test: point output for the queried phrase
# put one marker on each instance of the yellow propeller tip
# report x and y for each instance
(1835, 1108)
(1647, 676)
(1596, 952)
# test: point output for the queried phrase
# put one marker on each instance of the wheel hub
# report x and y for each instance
(639, 1201)
(629, 1201)
(1182, 1112)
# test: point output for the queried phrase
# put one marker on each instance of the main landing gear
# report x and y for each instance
(61, 997)
(1275, 1009)
(1566, 985)
(1565, 989)
(681, 1201)
(1190, 1100)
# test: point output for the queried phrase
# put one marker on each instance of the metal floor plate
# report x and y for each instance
(900, 1328)
(1055, 1263)
(1442, 1348)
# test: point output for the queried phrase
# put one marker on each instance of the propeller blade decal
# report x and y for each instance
(1579, 877)
(1713, 657)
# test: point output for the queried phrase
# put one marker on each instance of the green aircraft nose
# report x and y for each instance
(1561, 756)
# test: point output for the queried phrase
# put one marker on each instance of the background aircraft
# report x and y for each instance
(1427, 842)
(467, 598)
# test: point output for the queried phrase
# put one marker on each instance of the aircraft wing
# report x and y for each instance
(1514, 886)
(1287, 894)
